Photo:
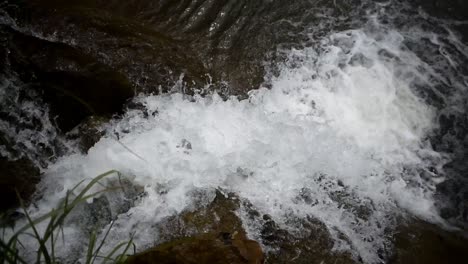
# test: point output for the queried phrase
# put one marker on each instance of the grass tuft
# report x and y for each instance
(47, 241)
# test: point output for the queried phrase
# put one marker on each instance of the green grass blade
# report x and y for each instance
(10, 255)
(121, 258)
(56, 219)
(67, 206)
(42, 247)
(102, 241)
(116, 248)
(94, 181)
(91, 244)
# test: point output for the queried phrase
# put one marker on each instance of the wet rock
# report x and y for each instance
(452, 193)
(447, 9)
(121, 194)
(222, 42)
(453, 9)
(202, 249)
(310, 244)
(88, 133)
(74, 84)
(143, 55)
(17, 176)
(210, 234)
(219, 218)
(420, 242)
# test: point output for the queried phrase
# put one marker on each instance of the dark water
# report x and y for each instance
(64, 62)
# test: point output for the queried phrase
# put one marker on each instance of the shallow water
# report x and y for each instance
(346, 128)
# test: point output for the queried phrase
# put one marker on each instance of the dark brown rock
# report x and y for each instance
(74, 84)
(210, 234)
(202, 249)
(88, 133)
(424, 243)
(150, 41)
(102, 30)
(218, 220)
(218, 217)
(452, 9)
(17, 177)
(312, 244)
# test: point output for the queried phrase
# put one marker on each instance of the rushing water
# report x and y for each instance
(350, 116)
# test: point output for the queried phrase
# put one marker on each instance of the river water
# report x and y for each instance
(350, 112)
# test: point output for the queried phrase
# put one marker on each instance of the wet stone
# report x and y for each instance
(205, 227)
(104, 31)
(17, 177)
(312, 244)
(88, 133)
(73, 83)
(121, 194)
(424, 243)
(216, 218)
(209, 234)
(203, 249)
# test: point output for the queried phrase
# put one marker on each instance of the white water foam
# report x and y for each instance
(26, 124)
(339, 118)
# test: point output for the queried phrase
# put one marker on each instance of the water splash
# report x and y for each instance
(339, 119)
